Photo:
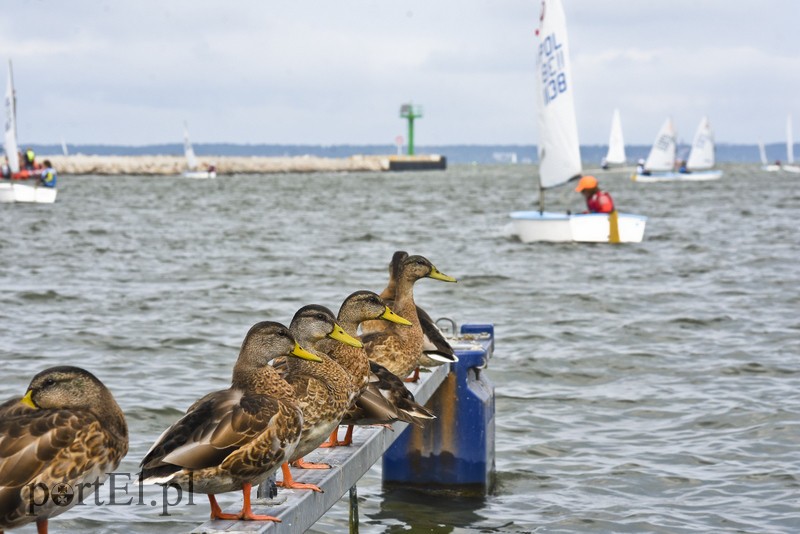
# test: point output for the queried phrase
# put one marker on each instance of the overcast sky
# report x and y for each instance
(337, 71)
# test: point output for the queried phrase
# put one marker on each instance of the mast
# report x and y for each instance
(13, 96)
(541, 196)
(559, 148)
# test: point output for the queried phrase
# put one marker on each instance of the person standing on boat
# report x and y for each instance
(597, 201)
(30, 158)
(49, 176)
(640, 168)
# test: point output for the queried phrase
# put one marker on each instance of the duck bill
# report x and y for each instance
(27, 400)
(303, 354)
(438, 275)
(340, 335)
(389, 315)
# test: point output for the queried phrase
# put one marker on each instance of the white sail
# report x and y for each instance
(191, 160)
(762, 153)
(701, 157)
(789, 141)
(559, 150)
(662, 155)
(10, 138)
(616, 143)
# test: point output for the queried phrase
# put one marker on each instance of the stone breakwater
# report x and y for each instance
(174, 165)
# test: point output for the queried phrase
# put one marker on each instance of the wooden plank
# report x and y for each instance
(298, 510)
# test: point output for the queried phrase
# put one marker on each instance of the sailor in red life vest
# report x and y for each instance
(596, 201)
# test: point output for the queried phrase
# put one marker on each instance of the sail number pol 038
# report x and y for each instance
(551, 59)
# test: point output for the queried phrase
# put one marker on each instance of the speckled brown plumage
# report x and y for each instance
(395, 347)
(436, 350)
(235, 438)
(67, 429)
(382, 397)
(324, 391)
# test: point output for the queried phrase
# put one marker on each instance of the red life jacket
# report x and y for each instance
(600, 202)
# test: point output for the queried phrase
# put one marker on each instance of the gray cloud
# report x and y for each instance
(337, 72)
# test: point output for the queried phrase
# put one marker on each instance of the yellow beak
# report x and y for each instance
(437, 275)
(27, 400)
(304, 354)
(340, 335)
(389, 315)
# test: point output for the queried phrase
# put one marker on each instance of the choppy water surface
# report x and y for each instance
(641, 388)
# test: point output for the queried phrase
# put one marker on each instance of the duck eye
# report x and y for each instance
(49, 382)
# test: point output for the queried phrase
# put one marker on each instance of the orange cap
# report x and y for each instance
(587, 182)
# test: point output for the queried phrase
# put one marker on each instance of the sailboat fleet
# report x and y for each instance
(661, 164)
(559, 150)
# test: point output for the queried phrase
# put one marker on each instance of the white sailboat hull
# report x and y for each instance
(791, 168)
(34, 193)
(533, 226)
(694, 176)
(6, 192)
(199, 174)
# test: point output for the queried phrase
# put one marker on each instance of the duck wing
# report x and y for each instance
(32, 439)
(213, 428)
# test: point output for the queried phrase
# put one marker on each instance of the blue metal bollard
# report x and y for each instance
(455, 451)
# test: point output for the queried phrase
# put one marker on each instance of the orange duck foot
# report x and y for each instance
(245, 515)
(333, 440)
(414, 377)
(348, 437)
(302, 464)
(289, 483)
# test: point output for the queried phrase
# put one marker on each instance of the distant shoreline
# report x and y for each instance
(456, 154)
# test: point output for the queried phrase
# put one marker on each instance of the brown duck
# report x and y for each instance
(324, 391)
(66, 433)
(236, 438)
(382, 398)
(436, 350)
(396, 347)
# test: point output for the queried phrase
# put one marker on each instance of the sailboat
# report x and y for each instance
(191, 160)
(559, 151)
(661, 159)
(616, 143)
(790, 166)
(22, 185)
(11, 164)
(765, 165)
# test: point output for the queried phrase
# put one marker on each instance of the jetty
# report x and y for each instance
(454, 452)
(82, 164)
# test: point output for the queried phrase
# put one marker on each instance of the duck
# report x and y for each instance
(399, 348)
(382, 398)
(324, 391)
(66, 432)
(436, 350)
(234, 439)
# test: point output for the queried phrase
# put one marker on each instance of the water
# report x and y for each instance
(640, 388)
